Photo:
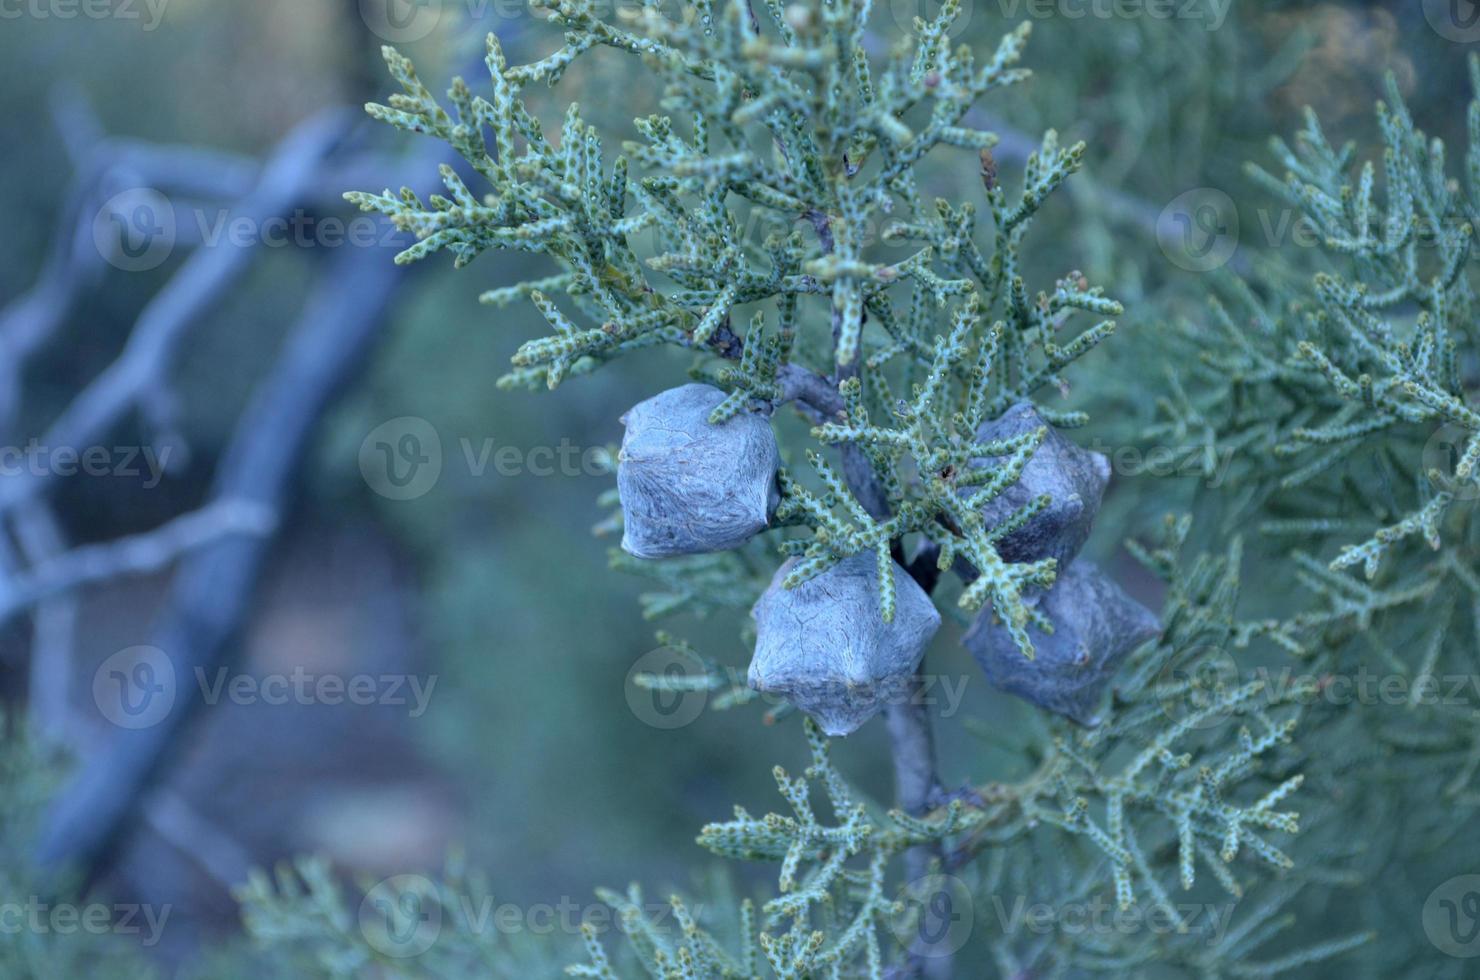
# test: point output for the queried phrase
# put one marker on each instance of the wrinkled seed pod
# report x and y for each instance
(687, 486)
(1095, 625)
(1073, 477)
(824, 646)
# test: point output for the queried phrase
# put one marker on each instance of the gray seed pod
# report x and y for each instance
(689, 487)
(1095, 625)
(1074, 478)
(824, 646)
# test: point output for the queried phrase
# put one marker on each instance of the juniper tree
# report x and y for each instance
(939, 476)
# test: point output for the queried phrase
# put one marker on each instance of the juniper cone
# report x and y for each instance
(1073, 478)
(825, 647)
(1095, 625)
(689, 486)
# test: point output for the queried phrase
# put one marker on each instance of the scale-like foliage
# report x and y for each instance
(1347, 406)
(791, 119)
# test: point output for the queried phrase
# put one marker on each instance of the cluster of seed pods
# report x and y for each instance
(690, 486)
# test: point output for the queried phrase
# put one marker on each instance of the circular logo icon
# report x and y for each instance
(1198, 231)
(904, 13)
(1454, 20)
(401, 21)
(402, 459)
(1451, 916)
(1194, 680)
(134, 230)
(1443, 451)
(135, 688)
(401, 916)
(666, 688)
(938, 915)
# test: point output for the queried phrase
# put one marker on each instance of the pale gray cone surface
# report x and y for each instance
(689, 487)
(1095, 626)
(1073, 477)
(824, 646)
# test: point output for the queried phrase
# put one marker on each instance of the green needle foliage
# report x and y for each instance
(1349, 405)
(1192, 776)
(797, 119)
(774, 125)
